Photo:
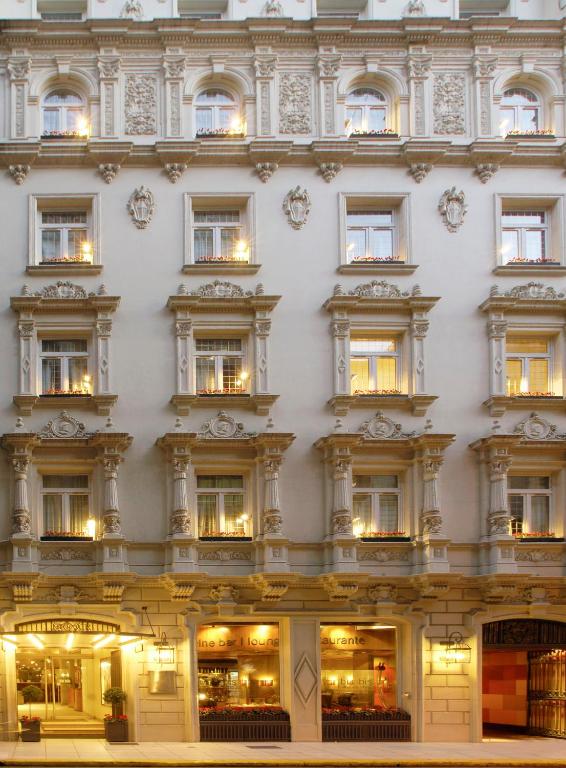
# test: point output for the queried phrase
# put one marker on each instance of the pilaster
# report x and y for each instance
(19, 68)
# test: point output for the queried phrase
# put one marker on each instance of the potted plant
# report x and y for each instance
(116, 724)
(31, 725)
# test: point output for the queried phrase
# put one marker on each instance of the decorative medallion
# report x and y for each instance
(223, 427)
(273, 9)
(63, 426)
(62, 289)
(141, 207)
(530, 290)
(537, 428)
(453, 208)
(222, 289)
(297, 205)
(132, 9)
(383, 428)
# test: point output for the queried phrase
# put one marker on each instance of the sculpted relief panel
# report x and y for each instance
(295, 98)
(449, 106)
(141, 105)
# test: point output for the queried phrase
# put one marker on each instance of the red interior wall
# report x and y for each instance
(504, 687)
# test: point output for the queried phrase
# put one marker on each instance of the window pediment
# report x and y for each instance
(64, 296)
(379, 296)
(531, 297)
(222, 296)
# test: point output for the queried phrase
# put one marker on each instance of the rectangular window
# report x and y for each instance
(376, 505)
(64, 367)
(371, 236)
(528, 367)
(529, 505)
(65, 229)
(524, 237)
(218, 237)
(219, 367)
(221, 506)
(65, 237)
(374, 366)
(66, 505)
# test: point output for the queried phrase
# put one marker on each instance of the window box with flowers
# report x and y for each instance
(537, 537)
(385, 536)
(81, 135)
(365, 724)
(30, 728)
(219, 133)
(253, 723)
(542, 134)
(116, 728)
(64, 536)
(384, 133)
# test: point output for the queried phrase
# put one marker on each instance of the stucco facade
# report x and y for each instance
(452, 430)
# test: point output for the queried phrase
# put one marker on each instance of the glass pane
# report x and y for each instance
(354, 119)
(51, 120)
(516, 510)
(376, 481)
(513, 374)
(538, 376)
(214, 96)
(216, 217)
(388, 512)
(231, 370)
(376, 120)
(356, 244)
(205, 374)
(509, 245)
(50, 245)
(373, 346)
(528, 482)
(77, 372)
(528, 119)
(366, 96)
(540, 514)
(78, 513)
(359, 375)
(62, 97)
(218, 345)
(228, 240)
(362, 514)
(76, 237)
(526, 346)
(506, 121)
(50, 376)
(370, 218)
(227, 118)
(519, 96)
(206, 510)
(52, 513)
(233, 510)
(204, 244)
(74, 118)
(522, 218)
(382, 243)
(535, 244)
(65, 481)
(204, 119)
(220, 481)
(386, 374)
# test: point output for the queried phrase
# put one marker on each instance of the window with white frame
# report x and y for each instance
(66, 505)
(530, 504)
(374, 365)
(219, 236)
(524, 237)
(219, 366)
(371, 236)
(519, 112)
(64, 231)
(217, 112)
(528, 366)
(376, 505)
(64, 114)
(366, 111)
(64, 366)
(469, 8)
(221, 506)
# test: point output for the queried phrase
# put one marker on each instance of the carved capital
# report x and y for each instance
(496, 329)
(19, 69)
(419, 328)
(340, 328)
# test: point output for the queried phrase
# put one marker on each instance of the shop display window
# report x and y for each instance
(358, 666)
(238, 665)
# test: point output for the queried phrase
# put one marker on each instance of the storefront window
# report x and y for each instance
(238, 665)
(359, 666)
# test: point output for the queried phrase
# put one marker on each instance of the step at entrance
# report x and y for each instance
(72, 729)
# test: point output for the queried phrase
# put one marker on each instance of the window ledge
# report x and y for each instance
(530, 269)
(377, 268)
(67, 268)
(99, 403)
(418, 404)
(231, 539)
(66, 538)
(498, 404)
(540, 540)
(221, 268)
(260, 403)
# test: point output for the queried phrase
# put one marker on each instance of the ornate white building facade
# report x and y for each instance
(283, 343)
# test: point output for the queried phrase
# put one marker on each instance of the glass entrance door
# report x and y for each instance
(51, 684)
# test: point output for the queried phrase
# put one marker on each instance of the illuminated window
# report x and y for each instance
(524, 237)
(64, 367)
(66, 505)
(366, 111)
(65, 237)
(374, 366)
(519, 111)
(64, 113)
(219, 237)
(219, 366)
(529, 504)
(376, 504)
(371, 236)
(217, 112)
(528, 366)
(220, 506)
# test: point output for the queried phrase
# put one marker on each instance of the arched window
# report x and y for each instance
(64, 113)
(366, 110)
(520, 111)
(217, 112)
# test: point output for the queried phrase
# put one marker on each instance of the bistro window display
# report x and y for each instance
(358, 666)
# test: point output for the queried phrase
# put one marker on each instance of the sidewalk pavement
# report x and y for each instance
(97, 752)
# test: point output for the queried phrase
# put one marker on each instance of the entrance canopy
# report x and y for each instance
(70, 633)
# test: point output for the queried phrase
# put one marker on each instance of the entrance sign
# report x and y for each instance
(76, 626)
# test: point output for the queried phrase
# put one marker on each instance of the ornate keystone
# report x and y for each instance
(108, 171)
(19, 173)
(266, 170)
(174, 171)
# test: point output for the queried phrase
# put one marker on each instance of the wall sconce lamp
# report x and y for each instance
(164, 651)
(455, 650)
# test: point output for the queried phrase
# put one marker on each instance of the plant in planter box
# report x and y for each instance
(31, 725)
(116, 724)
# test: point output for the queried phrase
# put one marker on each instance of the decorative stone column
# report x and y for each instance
(418, 68)
(265, 66)
(262, 329)
(180, 523)
(497, 331)
(109, 73)
(419, 329)
(174, 67)
(111, 516)
(272, 520)
(19, 69)
(431, 517)
(499, 519)
(328, 68)
(102, 378)
(342, 498)
(183, 335)
(26, 329)
(483, 69)
(341, 347)
(21, 520)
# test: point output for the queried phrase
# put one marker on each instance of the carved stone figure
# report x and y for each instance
(485, 171)
(63, 426)
(415, 8)
(536, 428)
(141, 105)
(141, 207)
(108, 171)
(420, 171)
(266, 170)
(174, 171)
(223, 426)
(382, 593)
(132, 9)
(19, 173)
(329, 171)
(449, 103)
(295, 98)
(221, 289)
(297, 205)
(273, 9)
(453, 208)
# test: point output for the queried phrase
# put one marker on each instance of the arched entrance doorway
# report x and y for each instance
(524, 678)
